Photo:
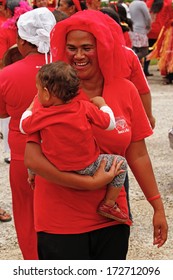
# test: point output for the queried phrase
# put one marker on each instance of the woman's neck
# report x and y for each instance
(92, 88)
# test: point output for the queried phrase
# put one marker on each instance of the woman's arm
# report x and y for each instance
(140, 164)
(36, 161)
(147, 103)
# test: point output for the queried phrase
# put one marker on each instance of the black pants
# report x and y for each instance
(110, 243)
(147, 62)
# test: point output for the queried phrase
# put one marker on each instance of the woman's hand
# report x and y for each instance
(160, 228)
(102, 177)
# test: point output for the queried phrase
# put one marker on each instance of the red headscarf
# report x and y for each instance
(109, 40)
(77, 5)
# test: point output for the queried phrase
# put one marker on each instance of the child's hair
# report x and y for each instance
(60, 79)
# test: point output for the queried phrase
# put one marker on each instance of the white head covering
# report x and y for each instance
(35, 27)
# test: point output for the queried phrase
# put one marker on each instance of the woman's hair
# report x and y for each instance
(59, 15)
(123, 17)
(156, 6)
(60, 79)
(71, 3)
(111, 12)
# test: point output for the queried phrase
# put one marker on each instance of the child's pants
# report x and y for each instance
(118, 181)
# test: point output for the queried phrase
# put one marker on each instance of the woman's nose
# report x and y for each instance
(79, 54)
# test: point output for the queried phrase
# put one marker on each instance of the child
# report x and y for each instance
(65, 122)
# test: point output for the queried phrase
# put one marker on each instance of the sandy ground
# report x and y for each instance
(140, 247)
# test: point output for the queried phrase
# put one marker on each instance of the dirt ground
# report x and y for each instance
(140, 247)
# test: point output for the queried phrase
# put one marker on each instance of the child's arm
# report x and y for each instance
(25, 115)
(101, 104)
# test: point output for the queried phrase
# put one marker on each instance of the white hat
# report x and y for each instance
(35, 27)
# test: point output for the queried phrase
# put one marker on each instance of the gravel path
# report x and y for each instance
(140, 247)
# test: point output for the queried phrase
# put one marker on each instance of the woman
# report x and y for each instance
(70, 7)
(70, 228)
(17, 89)
(161, 13)
(8, 30)
(163, 52)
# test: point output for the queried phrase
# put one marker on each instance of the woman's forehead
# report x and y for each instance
(78, 35)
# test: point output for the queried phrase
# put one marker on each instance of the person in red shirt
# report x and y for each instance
(17, 90)
(62, 117)
(72, 229)
(8, 31)
(4, 12)
(161, 13)
(133, 71)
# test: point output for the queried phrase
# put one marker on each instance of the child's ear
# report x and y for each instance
(46, 94)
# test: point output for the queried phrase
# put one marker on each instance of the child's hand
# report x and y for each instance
(98, 101)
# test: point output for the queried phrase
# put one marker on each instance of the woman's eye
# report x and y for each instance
(87, 49)
(71, 49)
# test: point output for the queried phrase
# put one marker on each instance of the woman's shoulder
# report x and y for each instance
(122, 88)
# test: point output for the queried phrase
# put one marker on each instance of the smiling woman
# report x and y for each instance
(72, 229)
(83, 55)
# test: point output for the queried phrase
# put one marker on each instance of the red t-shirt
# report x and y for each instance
(63, 210)
(17, 90)
(66, 132)
(127, 39)
(7, 39)
(133, 71)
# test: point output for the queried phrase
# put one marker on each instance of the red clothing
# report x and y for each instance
(17, 90)
(127, 39)
(133, 71)
(58, 125)
(7, 39)
(2, 19)
(160, 18)
(73, 211)
(132, 125)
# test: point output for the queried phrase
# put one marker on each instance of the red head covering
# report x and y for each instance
(77, 4)
(109, 40)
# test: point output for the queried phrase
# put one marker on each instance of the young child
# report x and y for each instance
(65, 121)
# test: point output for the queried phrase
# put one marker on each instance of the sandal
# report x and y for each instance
(4, 216)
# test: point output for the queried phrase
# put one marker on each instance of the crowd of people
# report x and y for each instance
(73, 87)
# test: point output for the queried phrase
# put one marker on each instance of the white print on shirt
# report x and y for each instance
(121, 125)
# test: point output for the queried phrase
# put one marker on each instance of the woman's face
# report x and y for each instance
(41, 3)
(63, 6)
(81, 52)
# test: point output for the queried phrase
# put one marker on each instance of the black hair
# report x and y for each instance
(156, 6)
(110, 12)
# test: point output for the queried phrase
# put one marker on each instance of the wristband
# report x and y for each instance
(153, 197)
